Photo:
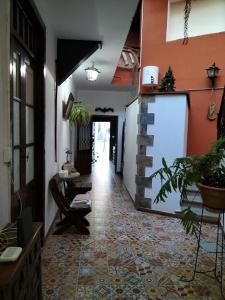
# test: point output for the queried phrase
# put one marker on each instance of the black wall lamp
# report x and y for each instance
(212, 73)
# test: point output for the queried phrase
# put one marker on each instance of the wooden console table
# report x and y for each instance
(74, 185)
(22, 279)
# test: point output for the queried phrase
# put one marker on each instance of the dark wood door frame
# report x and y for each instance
(83, 150)
(113, 140)
(31, 39)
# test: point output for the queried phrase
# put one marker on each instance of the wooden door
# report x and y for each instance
(84, 149)
(23, 112)
(27, 111)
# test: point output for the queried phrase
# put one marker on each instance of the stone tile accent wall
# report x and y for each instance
(143, 140)
(144, 160)
(143, 181)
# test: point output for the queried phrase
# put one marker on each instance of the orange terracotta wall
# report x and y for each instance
(188, 63)
(122, 77)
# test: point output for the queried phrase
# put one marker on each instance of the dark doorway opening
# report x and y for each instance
(85, 155)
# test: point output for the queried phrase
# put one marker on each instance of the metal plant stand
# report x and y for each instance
(219, 249)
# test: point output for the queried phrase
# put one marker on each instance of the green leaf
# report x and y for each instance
(189, 221)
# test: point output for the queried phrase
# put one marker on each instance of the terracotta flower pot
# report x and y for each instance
(212, 197)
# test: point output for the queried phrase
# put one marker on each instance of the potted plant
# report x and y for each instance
(68, 153)
(79, 114)
(67, 165)
(207, 171)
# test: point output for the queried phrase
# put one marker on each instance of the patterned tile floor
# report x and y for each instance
(128, 255)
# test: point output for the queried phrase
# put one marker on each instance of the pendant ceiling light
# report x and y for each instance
(92, 73)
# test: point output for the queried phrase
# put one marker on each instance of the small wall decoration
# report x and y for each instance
(68, 106)
(104, 110)
(128, 59)
(211, 112)
(168, 81)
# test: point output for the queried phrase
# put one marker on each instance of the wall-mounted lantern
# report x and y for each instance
(212, 73)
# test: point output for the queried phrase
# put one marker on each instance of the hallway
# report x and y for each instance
(128, 255)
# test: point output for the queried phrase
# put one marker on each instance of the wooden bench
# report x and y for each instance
(75, 186)
(72, 216)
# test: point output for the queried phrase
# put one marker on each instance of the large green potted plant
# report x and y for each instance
(79, 114)
(207, 171)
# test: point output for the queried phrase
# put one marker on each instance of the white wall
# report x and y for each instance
(63, 127)
(170, 141)
(50, 164)
(5, 198)
(206, 17)
(131, 148)
(114, 99)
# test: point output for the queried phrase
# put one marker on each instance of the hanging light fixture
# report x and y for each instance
(92, 73)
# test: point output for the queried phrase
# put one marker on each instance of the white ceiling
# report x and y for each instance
(106, 20)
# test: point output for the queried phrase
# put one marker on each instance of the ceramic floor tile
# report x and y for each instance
(128, 254)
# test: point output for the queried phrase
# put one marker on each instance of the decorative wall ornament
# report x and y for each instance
(68, 106)
(104, 110)
(128, 59)
(211, 112)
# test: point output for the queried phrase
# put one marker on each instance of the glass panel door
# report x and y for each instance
(16, 111)
(16, 123)
(27, 107)
(30, 141)
(23, 111)
(16, 170)
(29, 164)
(29, 125)
(29, 85)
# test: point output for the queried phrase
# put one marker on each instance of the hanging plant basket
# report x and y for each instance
(79, 114)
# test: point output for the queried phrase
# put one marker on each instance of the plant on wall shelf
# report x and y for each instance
(168, 81)
(207, 171)
(79, 114)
